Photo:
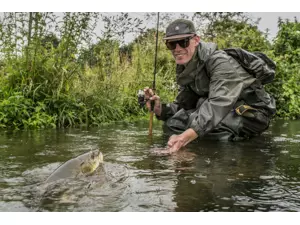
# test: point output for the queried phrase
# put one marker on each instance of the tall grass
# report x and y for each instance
(52, 74)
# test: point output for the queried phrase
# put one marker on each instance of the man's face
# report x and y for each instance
(183, 55)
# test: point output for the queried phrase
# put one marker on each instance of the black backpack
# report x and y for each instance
(257, 63)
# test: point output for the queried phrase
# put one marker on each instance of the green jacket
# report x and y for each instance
(212, 85)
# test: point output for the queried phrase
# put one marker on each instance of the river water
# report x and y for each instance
(261, 174)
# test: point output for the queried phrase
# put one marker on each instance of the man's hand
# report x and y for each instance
(150, 96)
(178, 141)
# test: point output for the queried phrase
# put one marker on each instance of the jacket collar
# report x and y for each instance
(186, 74)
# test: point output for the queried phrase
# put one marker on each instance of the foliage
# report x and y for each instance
(286, 87)
(55, 72)
(233, 29)
(19, 112)
(287, 39)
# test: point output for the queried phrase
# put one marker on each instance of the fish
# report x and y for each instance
(83, 165)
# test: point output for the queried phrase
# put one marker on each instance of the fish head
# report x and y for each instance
(96, 156)
(92, 162)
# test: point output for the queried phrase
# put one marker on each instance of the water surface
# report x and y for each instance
(261, 174)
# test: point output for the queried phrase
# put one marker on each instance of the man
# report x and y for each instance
(218, 99)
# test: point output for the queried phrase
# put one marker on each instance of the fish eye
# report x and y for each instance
(93, 155)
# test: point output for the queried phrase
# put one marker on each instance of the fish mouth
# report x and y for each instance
(92, 163)
(97, 155)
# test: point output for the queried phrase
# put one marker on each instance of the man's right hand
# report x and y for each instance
(150, 96)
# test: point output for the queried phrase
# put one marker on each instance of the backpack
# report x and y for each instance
(257, 64)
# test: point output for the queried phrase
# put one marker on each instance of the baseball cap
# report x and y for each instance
(179, 29)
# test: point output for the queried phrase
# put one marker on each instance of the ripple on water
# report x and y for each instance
(73, 135)
(129, 158)
(284, 138)
(13, 181)
(284, 152)
(276, 196)
(13, 206)
(90, 137)
(266, 177)
(46, 153)
(280, 139)
(39, 174)
(201, 176)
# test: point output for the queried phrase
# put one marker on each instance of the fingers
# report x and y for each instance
(174, 148)
(156, 98)
(175, 143)
(148, 101)
(157, 104)
(148, 92)
(149, 95)
(171, 141)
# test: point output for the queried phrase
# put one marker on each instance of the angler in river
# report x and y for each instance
(221, 94)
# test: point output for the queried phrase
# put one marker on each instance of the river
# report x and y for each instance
(261, 174)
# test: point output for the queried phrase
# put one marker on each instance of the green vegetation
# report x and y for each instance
(56, 72)
(286, 87)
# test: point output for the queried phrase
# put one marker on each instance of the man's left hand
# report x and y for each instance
(176, 142)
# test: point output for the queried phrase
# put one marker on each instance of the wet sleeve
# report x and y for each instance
(224, 89)
(186, 99)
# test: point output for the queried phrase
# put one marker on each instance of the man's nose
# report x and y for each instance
(178, 47)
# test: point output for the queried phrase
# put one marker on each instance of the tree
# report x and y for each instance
(286, 86)
(234, 29)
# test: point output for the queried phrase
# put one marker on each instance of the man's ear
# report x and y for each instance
(197, 40)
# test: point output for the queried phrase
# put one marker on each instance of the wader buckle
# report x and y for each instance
(240, 110)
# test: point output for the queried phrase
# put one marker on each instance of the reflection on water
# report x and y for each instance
(262, 174)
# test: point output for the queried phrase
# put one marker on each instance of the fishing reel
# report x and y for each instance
(141, 98)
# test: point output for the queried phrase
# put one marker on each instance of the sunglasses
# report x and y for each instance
(184, 43)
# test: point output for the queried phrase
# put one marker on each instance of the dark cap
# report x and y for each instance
(180, 29)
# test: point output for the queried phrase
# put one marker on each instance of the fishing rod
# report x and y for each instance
(154, 79)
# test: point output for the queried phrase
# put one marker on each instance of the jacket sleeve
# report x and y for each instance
(186, 99)
(224, 89)
(168, 110)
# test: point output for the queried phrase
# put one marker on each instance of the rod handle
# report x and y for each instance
(151, 122)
